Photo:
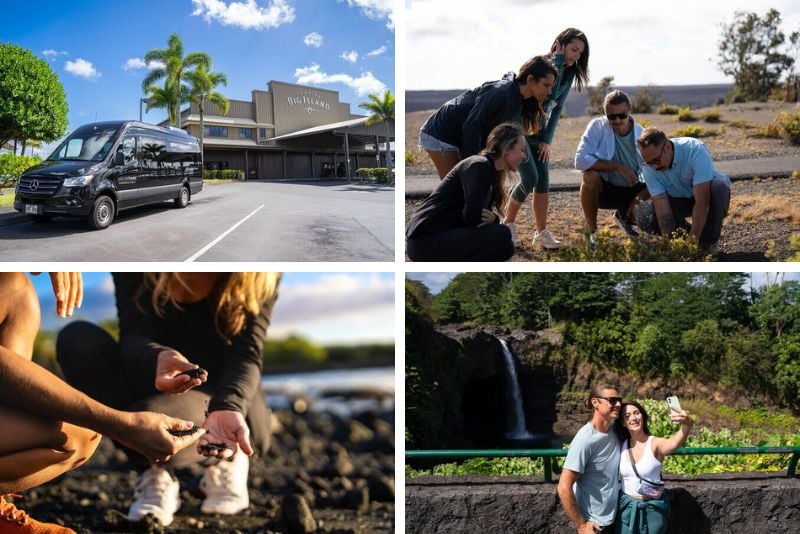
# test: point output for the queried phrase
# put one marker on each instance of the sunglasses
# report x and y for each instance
(621, 116)
(657, 160)
(611, 400)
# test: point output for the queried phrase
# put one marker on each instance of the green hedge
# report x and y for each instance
(376, 175)
(227, 174)
(12, 167)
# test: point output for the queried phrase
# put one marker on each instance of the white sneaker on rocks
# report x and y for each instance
(545, 240)
(157, 494)
(225, 486)
(514, 235)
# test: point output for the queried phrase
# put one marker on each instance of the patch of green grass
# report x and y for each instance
(694, 131)
(685, 115)
(668, 109)
(741, 124)
(712, 115)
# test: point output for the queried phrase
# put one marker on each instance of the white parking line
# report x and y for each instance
(221, 237)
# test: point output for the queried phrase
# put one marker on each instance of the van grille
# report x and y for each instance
(39, 186)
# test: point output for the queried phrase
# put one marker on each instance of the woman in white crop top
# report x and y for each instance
(643, 505)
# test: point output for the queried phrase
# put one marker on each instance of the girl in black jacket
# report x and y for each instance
(458, 220)
(459, 128)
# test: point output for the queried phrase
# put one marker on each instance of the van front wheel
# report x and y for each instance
(182, 200)
(102, 213)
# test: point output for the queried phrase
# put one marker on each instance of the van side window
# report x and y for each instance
(152, 152)
(128, 147)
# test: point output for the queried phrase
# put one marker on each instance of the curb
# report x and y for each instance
(562, 187)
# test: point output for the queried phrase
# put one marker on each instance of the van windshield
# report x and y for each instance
(86, 144)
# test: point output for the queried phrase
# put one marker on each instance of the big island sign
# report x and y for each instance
(308, 102)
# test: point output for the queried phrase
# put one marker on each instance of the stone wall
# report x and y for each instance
(707, 504)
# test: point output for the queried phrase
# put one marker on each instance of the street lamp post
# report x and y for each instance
(142, 101)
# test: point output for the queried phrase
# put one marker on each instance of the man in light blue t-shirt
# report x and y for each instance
(588, 483)
(683, 182)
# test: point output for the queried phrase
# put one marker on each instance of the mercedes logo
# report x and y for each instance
(34, 185)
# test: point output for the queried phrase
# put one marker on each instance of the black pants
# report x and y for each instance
(617, 197)
(491, 242)
(90, 360)
(682, 208)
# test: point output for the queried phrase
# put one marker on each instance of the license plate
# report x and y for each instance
(33, 209)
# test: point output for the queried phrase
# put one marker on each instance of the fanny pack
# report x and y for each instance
(646, 488)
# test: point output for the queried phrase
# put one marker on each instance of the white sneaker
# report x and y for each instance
(157, 494)
(545, 240)
(225, 486)
(514, 235)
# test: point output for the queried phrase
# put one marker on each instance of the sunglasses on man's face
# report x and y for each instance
(657, 160)
(620, 116)
(611, 400)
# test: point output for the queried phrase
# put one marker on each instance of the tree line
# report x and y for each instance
(714, 327)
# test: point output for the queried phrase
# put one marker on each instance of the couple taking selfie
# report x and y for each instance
(185, 371)
(611, 481)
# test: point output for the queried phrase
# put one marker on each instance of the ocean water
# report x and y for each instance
(342, 392)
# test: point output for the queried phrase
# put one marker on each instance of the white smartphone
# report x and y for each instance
(673, 403)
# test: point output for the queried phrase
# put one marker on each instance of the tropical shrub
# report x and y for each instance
(12, 167)
(375, 175)
(712, 115)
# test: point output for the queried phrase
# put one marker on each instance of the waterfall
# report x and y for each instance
(517, 414)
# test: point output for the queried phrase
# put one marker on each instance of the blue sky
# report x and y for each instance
(436, 282)
(97, 46)
(328, 308)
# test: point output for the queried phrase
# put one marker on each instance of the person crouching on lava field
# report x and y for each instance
(49, 427)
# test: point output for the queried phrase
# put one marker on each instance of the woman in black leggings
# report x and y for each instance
(458, 221)
(190, 346)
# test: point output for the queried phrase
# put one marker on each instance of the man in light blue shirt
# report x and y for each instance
(587, 486)
(681, 178)
(611, 165)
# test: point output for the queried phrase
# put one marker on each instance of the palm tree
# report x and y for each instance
(174, 71)
(163, 97)
(201, 89)
(382, 110)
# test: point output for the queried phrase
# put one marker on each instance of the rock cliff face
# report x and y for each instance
(714, 504)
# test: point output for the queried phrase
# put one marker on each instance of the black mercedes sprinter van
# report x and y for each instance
(105, 167)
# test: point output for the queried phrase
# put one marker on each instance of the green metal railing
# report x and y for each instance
(550, 456)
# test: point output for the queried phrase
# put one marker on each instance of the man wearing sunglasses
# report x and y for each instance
(587, 486)
(683, 182)
(610, 163)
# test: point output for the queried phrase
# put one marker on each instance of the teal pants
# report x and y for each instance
(642, 517)
(534, 175)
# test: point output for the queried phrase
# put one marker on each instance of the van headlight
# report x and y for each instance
(78, 180)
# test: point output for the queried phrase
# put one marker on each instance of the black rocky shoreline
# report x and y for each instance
(321, 474)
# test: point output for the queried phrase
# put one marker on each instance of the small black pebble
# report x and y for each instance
(183, 432)
(194, 373)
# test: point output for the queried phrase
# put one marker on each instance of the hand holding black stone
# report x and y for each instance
(193, 373)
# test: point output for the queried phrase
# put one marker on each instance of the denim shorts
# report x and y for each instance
(429, 142)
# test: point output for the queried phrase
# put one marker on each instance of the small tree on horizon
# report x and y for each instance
(597, 94)
(750, 51)
(382, 110)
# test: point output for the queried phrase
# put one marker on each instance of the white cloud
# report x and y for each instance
(377, 51)
(351, 56)
(52, 55)
(82, 69)
(136, 63)
(686, 54)
(355, 304)
(313, 39)
(376, 9)
(363, 85)
(246, 14)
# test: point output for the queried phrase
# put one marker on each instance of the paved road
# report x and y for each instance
(570, 179)
(248, 221)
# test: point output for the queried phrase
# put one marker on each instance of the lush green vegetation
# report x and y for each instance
(226, 174)
(708, 327)
(752, 434)
(12, 166)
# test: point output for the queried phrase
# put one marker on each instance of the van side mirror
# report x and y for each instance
(119, 158)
